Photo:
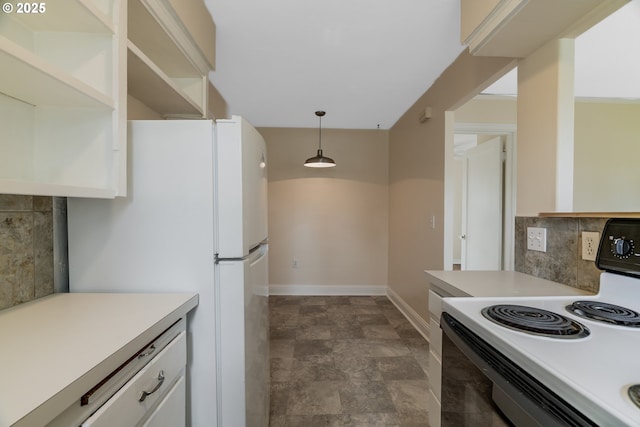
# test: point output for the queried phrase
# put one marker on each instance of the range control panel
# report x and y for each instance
(619, 249)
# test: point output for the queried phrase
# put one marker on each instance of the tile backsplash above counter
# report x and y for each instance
(26, 248)
(562, 262)
(28, 269)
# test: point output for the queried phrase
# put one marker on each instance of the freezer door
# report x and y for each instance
(241, 187)
(243, 364)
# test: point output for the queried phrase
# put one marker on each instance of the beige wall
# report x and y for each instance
(605, 134)
(607, 151)
(488, 110)
(545, 130)
(416, 176)
(334, 222)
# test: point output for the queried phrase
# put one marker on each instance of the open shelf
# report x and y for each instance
(11, 186)
(76, 16)
(29, 78)
(65, 76)
(62, 100)
(150, 84)
(149, 37)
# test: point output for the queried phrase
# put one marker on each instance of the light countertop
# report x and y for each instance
(56, 348)
(496, 284)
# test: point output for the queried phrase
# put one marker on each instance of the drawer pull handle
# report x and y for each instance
(148, 353)
(144, 394)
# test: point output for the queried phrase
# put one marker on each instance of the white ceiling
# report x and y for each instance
(365, 62)
(362, 61)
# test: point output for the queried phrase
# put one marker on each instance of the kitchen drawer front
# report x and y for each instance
(125, 408)
(171, 412)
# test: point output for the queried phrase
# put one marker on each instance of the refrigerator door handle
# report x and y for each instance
(258, 248)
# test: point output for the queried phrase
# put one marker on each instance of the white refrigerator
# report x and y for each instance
(194, 220)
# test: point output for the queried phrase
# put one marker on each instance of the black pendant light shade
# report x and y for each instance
(319, 160)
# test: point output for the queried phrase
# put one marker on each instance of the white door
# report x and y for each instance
(482, 196)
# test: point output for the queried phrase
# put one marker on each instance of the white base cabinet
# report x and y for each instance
(171, 410)
(108, 349)
(138, 399)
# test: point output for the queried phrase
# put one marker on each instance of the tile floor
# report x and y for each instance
(345, 361)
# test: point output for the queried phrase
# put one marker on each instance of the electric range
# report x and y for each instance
(593, 365)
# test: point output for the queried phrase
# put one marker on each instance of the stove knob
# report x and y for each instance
(622, 247)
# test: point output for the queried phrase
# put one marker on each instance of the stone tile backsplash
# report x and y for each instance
(26, 248)
(562, 262)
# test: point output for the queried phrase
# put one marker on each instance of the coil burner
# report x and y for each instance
(605, 312)
(634, 394)
(535, 321)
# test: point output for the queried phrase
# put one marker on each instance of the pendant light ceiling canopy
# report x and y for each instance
(319, 160)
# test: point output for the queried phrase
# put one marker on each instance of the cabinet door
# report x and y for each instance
(171, 411)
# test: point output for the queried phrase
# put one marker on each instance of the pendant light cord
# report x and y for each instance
(320, 134)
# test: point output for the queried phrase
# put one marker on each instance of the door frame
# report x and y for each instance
(509, 131)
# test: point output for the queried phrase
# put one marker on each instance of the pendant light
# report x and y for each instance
(319, 161)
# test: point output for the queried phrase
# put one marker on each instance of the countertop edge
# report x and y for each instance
(496, 284)
(67, 395)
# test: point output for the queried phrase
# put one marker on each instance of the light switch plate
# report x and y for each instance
(537, 239)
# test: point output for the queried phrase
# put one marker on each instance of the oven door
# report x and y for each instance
(481, 387)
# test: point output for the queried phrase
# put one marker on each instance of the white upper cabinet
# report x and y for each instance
(516, 28)
(168, 65)
(62, 109)
(67, 67)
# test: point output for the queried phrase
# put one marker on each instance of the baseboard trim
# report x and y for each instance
(412, 316)
(326, 290)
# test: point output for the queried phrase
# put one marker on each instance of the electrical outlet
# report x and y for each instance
(294, 263)
(590, 241)
(537, 239)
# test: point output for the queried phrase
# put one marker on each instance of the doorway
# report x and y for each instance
(488, 248)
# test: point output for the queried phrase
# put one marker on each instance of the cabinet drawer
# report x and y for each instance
(125, 407)
(171, 412)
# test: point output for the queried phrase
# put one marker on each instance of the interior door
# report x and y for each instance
(482, 212)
